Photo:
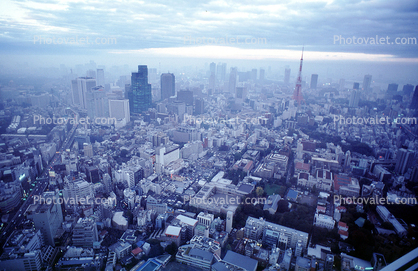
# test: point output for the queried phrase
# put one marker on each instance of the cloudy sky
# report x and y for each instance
(255, 30)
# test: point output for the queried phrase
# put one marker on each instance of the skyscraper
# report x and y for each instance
(366, 82)
(262, 75)
(254, 74)
(356, 85)
(392, 88)
(79, 89)
(97, 105)
(407, 89)
(354, 98)
(414, 103)
(185, 96)
(286, 76)
(232, 80)
(404, 159)
(314, 81)
(140, 97)
(221, 71)
(168, 82)
(47, 216)
(100, 77)
(212, 68)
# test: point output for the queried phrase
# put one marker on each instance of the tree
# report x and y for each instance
(171, 248)
(124, 153)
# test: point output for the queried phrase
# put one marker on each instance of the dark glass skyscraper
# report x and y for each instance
(140, 97)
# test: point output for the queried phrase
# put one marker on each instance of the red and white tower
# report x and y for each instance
(297, 94)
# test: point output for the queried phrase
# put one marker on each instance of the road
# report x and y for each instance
(41, 184)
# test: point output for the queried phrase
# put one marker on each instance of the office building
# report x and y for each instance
(168, 82)
(212, 68)
(392, 88)
(199, 107)
(139, 95)
(119, 109)
(221, 71)
(414, 103)
(205, 218)
(46, 216)
(404, 159)
(271, 233)
(85, 233)
(185, 96)
(232, 80)
(356, 85)
(262, 75)
(407, 90)
(314, 81)
(97, 103)
(324, 221)
(100, 77)
(229, 220)
(10, 195)
(367, 82)
(354, 98)
(79, 89)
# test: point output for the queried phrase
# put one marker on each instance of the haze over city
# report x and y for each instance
(220, 136)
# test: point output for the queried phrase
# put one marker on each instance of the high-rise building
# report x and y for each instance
(404, 159)
(212, 68)
(356, 85)
(341, 84)
(407, 89)
(119, 109)
(185, 96)
(366, 82)
(79, 89)
(100, 77)
(254, 74)
(140, 97)
(97, 104)
(392, 88)
(85, 233)
(414, 103)
(199, 107)
(262, 75)
(47, 216)
(286, 76)
(229, 220)
(354, 98)
(168, 82)
(232, 80)
(314, 81)
(212, 82)
(221, 71)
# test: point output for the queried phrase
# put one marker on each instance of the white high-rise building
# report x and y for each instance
(229, 220)
(79, 89)
(366, 82)
(119, 109)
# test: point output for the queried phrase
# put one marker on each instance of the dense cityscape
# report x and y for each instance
(222, 135)
(223, 169)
